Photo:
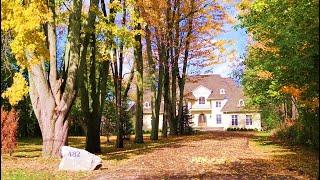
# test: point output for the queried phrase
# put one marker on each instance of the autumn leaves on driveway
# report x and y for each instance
(218, 155)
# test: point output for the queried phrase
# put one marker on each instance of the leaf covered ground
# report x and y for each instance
(211, 155)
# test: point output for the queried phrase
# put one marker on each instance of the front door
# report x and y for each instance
(202, 120)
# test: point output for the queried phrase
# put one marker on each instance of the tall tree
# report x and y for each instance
(92, 80)
(182, 78)
(167, 38)
(283, 60)
(122, 39)
(139, 84)
(33, 45)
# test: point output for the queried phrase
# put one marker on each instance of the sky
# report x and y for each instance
(239, 37)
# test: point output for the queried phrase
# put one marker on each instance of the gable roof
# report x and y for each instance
(201, 86)
(215, 82)
(147, 95)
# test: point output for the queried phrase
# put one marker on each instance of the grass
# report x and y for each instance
(23, 174)
(26, 162)
(295, 158)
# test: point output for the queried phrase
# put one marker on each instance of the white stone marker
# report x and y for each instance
(74, 159)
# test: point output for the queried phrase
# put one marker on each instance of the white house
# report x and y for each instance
(214, 103)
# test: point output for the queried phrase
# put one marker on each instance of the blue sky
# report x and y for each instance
(239, 38)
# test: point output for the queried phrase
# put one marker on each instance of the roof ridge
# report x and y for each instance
(193, 75)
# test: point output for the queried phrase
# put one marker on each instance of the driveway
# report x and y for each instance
(211, 155)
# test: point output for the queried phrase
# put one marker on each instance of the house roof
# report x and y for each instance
(147, 95)
(232, 104)
(215, 82)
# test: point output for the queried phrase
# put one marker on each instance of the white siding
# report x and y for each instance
(217, 110)
(211, 111)
(147, 122)
(256, 121)
(201, 92)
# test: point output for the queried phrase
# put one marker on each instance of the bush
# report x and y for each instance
(298, 134)
(146, 132)
(241, 129)
(9, 126)
(270, 119)
(186, 122)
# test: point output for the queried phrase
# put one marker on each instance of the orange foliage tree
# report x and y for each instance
(178, 33)
(9, 126)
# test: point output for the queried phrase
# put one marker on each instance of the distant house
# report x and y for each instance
(214, 102)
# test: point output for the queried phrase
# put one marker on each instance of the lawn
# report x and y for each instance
(204, 155)
(26, 162)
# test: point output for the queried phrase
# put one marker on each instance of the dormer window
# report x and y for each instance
(241, 102)
(147, 105)
(222, 91)
(202, 100)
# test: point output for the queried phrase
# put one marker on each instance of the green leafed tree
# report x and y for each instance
(282, 63)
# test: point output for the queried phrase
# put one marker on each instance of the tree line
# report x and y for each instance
(282, 65)
(159, 38)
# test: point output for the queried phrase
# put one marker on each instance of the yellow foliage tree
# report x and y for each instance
(33, 27)
(17, 91)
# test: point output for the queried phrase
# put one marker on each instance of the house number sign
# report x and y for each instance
(74, 153)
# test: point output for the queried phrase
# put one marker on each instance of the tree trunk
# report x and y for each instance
(94, 120)
(182, 79)
(155, 123)
(295, 113)
(180, 105)
(51, 98)
(174, 51)
(167, 99)
(151, 71)
(175, 71)
(118, 85)
(92, 113)
(139, 86)
(93, 134)
(164, 122)
(52, 119)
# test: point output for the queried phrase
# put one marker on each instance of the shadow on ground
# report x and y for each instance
(112, 153)
(244, 169)
(272, 161)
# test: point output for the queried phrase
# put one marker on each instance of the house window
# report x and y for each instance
(202, 100)
(147, 105)
(218, 117)
(241, 102)
(222, 91)
(248, 119)
(218, 103)
(234, 120)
